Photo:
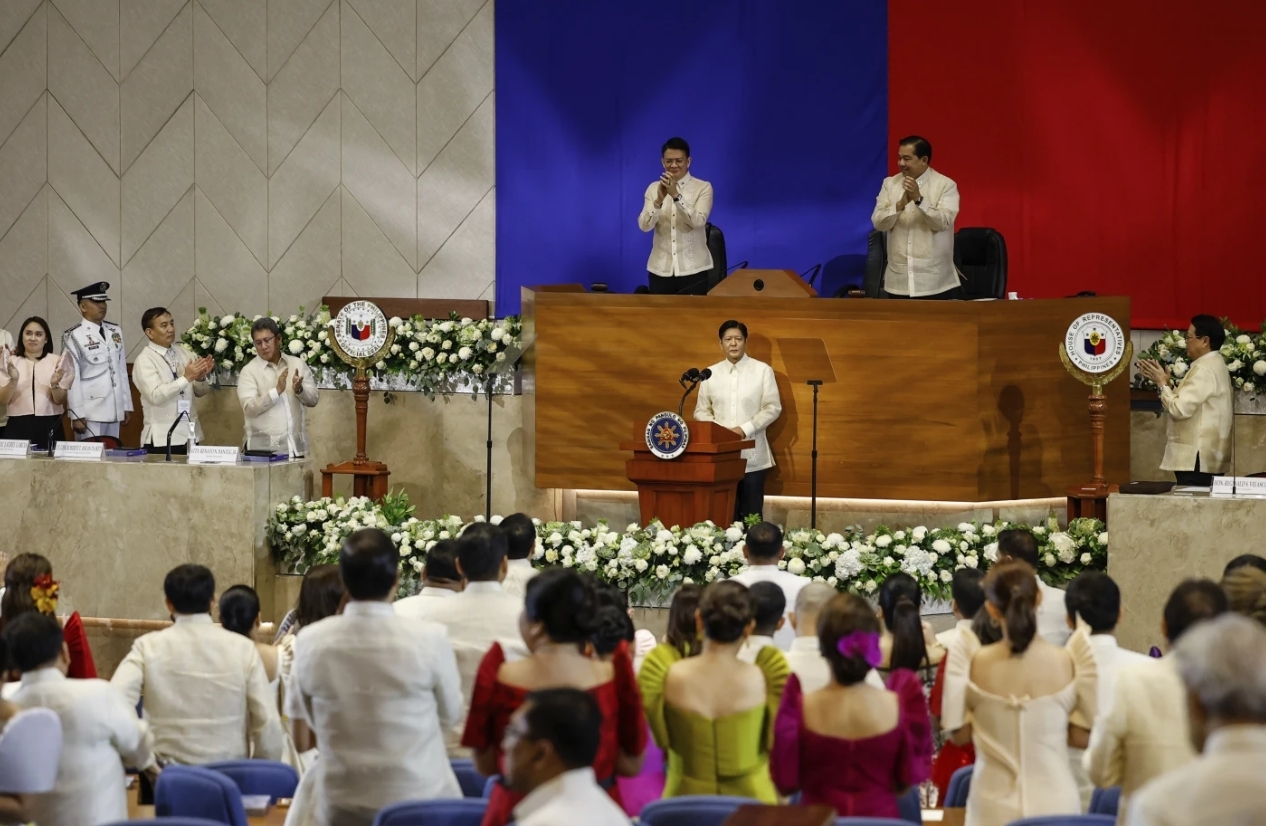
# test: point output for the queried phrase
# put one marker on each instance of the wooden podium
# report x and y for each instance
(698, 485)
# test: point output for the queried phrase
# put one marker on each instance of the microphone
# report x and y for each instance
(690, 375)
(694, 377)
(705, 374)
(184, 414)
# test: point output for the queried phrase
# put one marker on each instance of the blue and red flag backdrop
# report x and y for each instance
(1118, 146)
(784, 105)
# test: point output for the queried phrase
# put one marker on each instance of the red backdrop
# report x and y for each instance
(1118, 146)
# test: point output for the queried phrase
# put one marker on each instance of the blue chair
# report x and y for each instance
(471, 781)
(1105, 801)
(693, 810)
(259, 777)
(869, 821)
(910, 806)
(1066, 820)
(959, 788)
(194, 791)
(489, 785)
(465, 812)
(168, 821)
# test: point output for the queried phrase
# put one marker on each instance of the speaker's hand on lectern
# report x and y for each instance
(739, 431)
(281, 380)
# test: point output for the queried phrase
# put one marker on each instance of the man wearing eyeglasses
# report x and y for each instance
(676, 209)
(273, 389)
(1200, 406)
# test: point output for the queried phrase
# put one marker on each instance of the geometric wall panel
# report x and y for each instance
(457, 180)
(97, 23)
(157, 85)
(23, 72)
(303, 87)
(288, 24)
(454, 86)
(379, 86)
(157, 179)
(303, 183)
(229, 85)
(22, 164)
(141, 22)
(24, 256)
(84, 87)
(14, 14)
(380, 182)
(230, 179)
(439, 24)
(161, 268)
(75, 259)
(243, 23)
(83, 180)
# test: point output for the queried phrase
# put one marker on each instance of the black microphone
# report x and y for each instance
(696, 377)
(705, 374)
(690, 375)
(184, 414)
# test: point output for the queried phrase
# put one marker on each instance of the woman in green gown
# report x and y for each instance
(712, 713)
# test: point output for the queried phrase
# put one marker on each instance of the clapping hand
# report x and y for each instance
(11, 366)
(202, 368)
(1153, 372)
(664, 181)
(911, 188)
(281, 380)
(57, 376)
(298, 382)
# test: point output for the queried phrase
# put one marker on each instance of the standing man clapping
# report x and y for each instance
(100, 398)
(676, 207)
(168, 378)
(273, 389)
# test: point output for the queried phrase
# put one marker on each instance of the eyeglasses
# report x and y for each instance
(264, 342)
(675, 161)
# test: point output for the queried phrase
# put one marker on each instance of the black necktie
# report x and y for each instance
(102, 331)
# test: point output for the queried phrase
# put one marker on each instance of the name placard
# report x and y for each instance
(1239, 486)
(79, 451)
(15, 448)
(213, 454)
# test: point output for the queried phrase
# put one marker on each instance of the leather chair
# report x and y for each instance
(716, 246)
(876, 263)
(980, 253)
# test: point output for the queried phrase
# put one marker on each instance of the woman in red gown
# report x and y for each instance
(558, 621)
(29, 586)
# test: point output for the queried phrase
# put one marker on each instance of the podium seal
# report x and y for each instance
(1095, 344)
(667, 435)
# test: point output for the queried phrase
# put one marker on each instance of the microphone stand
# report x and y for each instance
(184, 414)
(813, 476)
(694, 385)
(73, 416)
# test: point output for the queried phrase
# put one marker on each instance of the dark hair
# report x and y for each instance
(1245, 560)
(1210, 327)
(675, 143)
(564, 602)
(319, 596)
(20, 348)
(1192, 601)
(612, 622)
(968, 592)
(568, 719)
(19, 578)
(986, 629)
(1012, 588)
(769, 604)
(441, 561)
(369, 564)
(732, 325)
(1245, 591)
(34, 640)
(520, 535)
(1095, 598)
(189, 589)
(899, 600)
(726, 609)
(480, 550)
(265, 323)
(683, 631)
(239, 608)
(922, 147)
(1020, 544)
(842, 615)
(764, 541)
(148, 317)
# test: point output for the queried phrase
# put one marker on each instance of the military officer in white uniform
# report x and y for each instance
(100, 400)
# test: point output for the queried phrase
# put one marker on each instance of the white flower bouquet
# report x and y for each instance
(1243, 352)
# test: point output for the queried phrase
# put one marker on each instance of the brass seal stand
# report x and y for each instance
(1091, 500)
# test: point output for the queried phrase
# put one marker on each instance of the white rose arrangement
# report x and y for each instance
(1243, 352)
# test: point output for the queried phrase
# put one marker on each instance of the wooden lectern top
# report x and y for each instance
(705, 437)
(763, 283)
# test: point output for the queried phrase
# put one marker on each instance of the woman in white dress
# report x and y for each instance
(1022, 702)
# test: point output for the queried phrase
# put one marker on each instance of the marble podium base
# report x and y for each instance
(114, 529)
(1158, 541)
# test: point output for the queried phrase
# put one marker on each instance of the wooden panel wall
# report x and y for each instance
(963, 401)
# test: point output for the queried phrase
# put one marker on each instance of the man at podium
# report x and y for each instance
(742, 395)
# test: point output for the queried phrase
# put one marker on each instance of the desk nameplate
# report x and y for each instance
(214, 454)
(79, 451)
(15, 448)
(1239, 486)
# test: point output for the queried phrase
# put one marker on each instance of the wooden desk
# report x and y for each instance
(936, 400)
(276, 815)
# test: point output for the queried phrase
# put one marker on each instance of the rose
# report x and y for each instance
(661, 572)
(947, 577)
(1179, 369)
(919, 534)
(795, 566)
(1235, 365)
(1243, 339)
(882, 541)
(1050, 560)
(221, 344)
(1103, 539)
(1085, 559)
(464, 353)
(941, 546)
(447, 345)
(452, 358)
(1259, 367)
(226, 322)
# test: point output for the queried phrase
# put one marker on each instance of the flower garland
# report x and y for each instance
(651, 562)
(1243, 352)
(44, 594)
(431, 353)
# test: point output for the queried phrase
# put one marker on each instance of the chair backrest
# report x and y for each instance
(471, 781)
(489, 785)
(958, 789)
(693, 810)
(194, 791)
(30, 748)
(269, 777)
(910, 806)
(868, 821)
(1105, 801)
(167, 821)
(876, 263)
(980, 253)
(716, 246)
(1066, 820)
(465, 812)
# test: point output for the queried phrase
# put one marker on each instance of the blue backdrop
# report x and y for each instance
(784, 103)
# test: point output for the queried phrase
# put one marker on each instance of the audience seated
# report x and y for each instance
(712, 713)
(550, 745)
(1020, 545)
(1015, 700)
(520, 534)
(28, 573)
(907, 641)
(1222, 664)
(763, 548)
(559, 615)
(967, 604)
(440, 580)
(1245, 589)
(377, 690)
(99, 730)
(12, 806)
(769, 610)
(850, 745)
(205, 689)
(1143, 731)
(239, 613)
(683, 622)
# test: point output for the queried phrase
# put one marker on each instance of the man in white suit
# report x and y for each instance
(100, 400)
(168, 377)
(1019, 544)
